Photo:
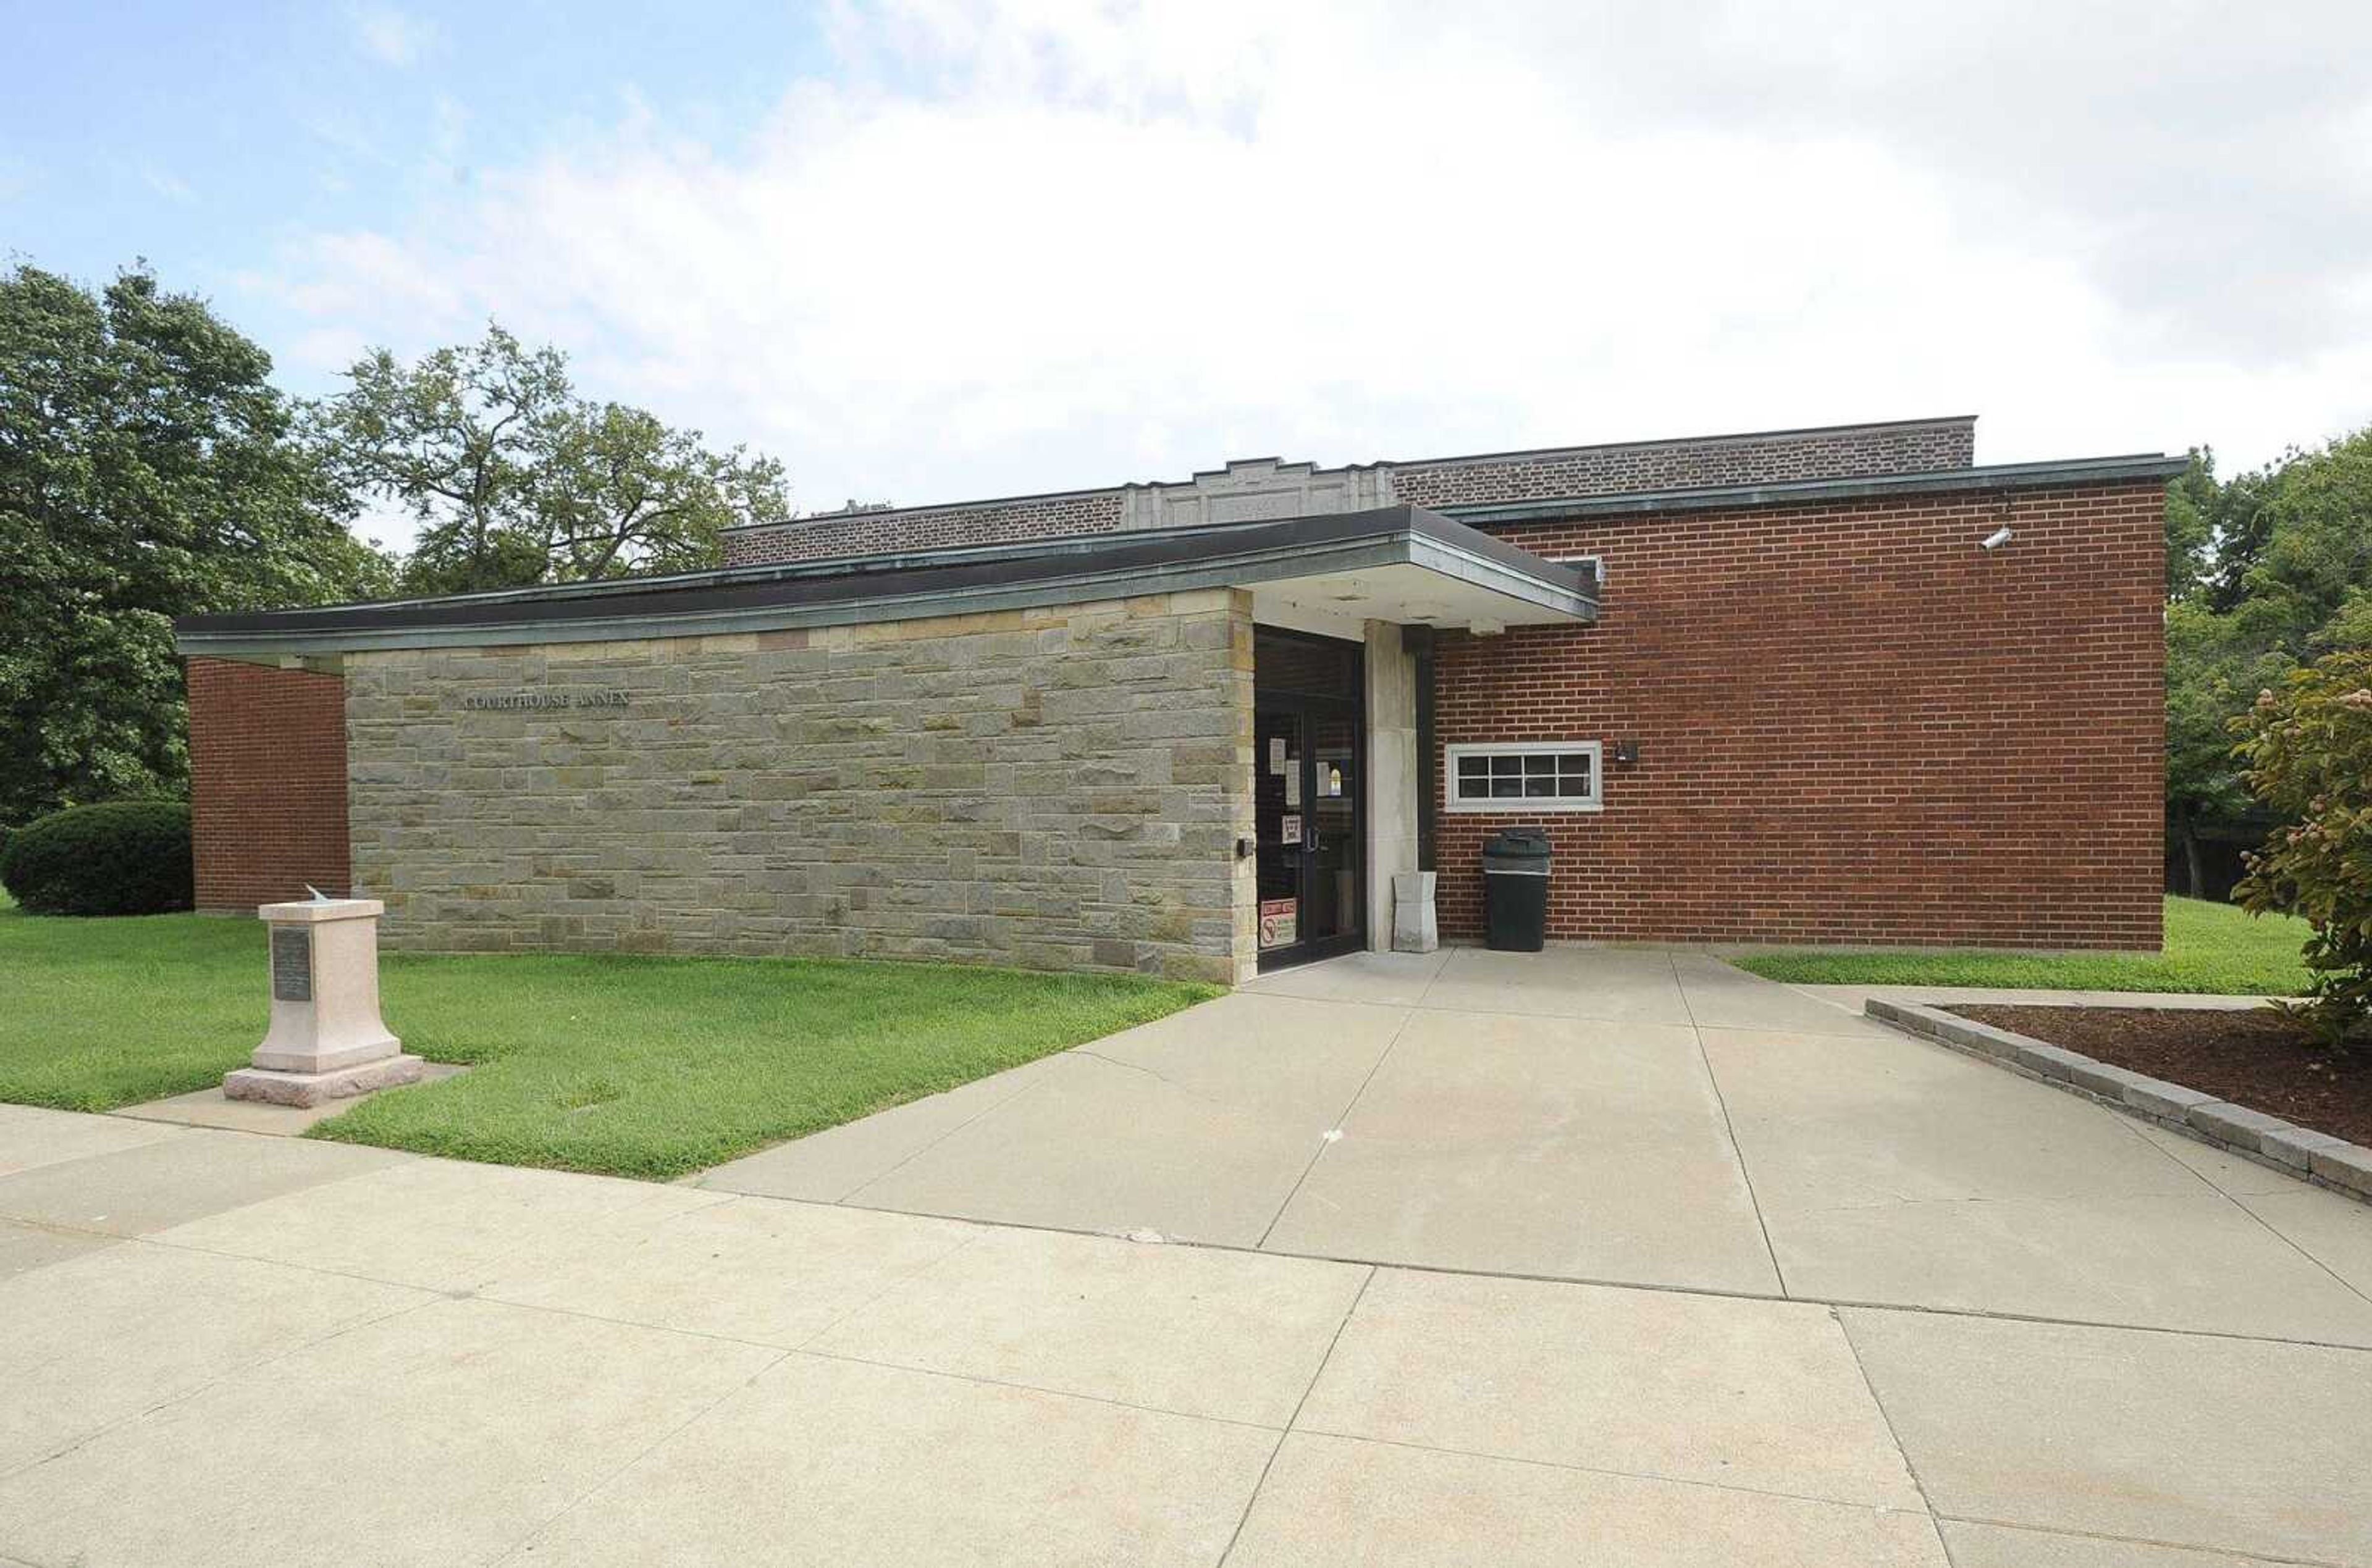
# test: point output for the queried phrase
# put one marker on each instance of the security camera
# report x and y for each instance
(1996, 539)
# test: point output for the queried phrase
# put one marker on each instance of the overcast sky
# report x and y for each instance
(927, 249)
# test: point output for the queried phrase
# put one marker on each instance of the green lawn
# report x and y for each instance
(2209, 948)
(635, 1066)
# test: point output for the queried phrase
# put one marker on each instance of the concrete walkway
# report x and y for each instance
(1616, 1116)
(1859, 1300)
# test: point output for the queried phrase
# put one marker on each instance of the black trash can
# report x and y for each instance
(1515, 889)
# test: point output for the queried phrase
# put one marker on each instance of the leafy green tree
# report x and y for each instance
(2192, 501)
(516, 480)
(2307, 744)
(2285, 574)
(2241, 526)
(2315, 549)
(146, 472)
(2351, 626)
(2212, 676)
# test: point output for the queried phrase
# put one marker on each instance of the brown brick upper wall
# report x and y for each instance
(1855, 725)
(1926, 447)
(1767, 457)
(926, 528)
(267, 783)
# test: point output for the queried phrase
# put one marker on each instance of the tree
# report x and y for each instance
(2212, 676)
(2192, 503)
(2307, 744)
(516, 480)
(147, 471)
(2240, 526)
(2312, 545)
(2283, 575)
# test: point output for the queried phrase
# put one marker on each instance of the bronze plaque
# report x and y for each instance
(292, 963)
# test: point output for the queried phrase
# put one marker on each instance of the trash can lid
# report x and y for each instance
(1520, 843)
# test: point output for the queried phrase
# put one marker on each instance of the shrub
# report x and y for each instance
(2308, 748)
(123, 857)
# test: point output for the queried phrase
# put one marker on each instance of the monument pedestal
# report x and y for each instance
(1414, 927)
(326, 1040)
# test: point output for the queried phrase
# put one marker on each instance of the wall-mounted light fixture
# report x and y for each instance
(1626, 752)
(2003, 534)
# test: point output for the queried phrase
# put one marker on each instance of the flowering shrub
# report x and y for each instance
(2307, 747)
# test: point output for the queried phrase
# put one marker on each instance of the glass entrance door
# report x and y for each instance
(1280, 821)
(1307, 820)
(1331, 911)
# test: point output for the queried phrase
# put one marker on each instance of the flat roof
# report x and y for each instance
(1367, 556)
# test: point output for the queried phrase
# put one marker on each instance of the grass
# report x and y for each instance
(633, 1066)
(2210, 947)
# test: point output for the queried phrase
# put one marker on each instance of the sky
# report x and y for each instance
(938, 250)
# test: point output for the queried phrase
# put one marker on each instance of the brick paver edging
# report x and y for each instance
(2318, 1157)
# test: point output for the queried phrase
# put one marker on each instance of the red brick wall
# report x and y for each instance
(1854, 725)
(925, 527)
(1919, 446)
(1900, 446)
(267, 784)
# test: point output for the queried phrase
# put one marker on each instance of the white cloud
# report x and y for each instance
(1047, 243)
(392, 37)
(167, 185)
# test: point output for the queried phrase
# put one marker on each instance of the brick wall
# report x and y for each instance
(1845, 451)
(1924, 447)
(1058, 788)
(1854, 725)
(926, 528)
(267, 783)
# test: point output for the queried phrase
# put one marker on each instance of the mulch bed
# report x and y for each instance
(2253, 1057)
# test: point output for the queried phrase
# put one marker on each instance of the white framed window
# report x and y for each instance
(1522, 776)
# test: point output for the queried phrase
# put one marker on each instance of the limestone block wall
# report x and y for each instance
(1052, 788)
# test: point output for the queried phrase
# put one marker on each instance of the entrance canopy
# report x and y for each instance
(1395, 563)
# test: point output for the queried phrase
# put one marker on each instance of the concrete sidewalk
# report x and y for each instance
(228, 1349)
(1860, 1300)
(1616, 1116)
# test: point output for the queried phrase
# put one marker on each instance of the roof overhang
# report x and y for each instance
(1397, 563)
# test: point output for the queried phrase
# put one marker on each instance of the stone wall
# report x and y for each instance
(1053, 788)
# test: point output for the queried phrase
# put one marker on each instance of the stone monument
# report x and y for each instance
(326, 1041)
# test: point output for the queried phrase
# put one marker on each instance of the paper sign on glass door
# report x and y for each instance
(1278, 921)
(1291, 831)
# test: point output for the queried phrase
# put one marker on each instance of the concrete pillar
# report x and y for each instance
(1392, 774)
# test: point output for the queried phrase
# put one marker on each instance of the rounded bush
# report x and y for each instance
(121, 857)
